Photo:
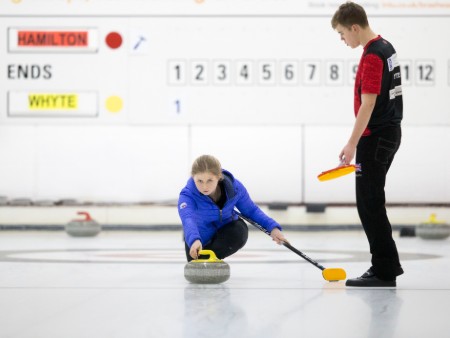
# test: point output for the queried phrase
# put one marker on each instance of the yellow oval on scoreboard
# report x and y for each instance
(52, 101)
(114, 104)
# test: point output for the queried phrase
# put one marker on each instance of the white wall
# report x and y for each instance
(276, 135)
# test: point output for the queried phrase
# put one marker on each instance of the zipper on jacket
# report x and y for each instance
(220, 213)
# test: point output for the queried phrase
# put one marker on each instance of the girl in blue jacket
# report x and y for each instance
(206, 208)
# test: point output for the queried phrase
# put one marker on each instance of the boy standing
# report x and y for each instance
(375, 138)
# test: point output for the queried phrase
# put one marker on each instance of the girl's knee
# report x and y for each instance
(243, 231)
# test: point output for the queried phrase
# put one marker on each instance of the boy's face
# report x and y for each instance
(349, 35)
(206, 182)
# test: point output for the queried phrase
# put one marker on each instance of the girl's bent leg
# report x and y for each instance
(229, 239)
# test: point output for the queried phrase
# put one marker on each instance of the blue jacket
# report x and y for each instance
(201, 217)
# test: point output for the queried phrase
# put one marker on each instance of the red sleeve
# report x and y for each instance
(372, 74)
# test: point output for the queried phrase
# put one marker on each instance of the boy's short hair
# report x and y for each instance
(349, 14)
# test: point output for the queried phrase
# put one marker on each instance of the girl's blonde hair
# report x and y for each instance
(207, 164)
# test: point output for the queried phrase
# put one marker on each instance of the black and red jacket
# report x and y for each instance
(379, 73)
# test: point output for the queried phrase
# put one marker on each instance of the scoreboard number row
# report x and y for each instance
(286, 72)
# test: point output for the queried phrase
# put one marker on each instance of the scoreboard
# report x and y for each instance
(110, 63)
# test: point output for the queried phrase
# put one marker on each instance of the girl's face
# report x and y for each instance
(206, 183)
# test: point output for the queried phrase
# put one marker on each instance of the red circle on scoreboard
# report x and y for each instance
(114, 40)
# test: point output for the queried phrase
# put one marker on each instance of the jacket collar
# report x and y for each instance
(228, 180)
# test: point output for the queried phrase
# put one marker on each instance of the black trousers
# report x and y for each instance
(228, 240)
(375, 154)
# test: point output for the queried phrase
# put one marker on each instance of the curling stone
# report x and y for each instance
(433, 229)
(86, 227)
(207, 271)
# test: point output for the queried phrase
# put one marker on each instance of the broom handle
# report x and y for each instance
(287, 245)
(301, 254)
